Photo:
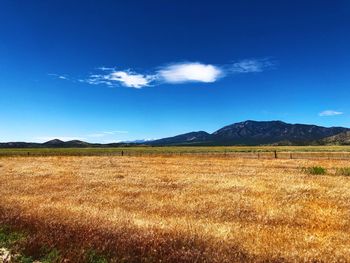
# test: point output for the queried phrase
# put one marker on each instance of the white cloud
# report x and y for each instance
(176, 73)
(330, 113)
(125, 78)
(190, 72)
(251, 65)
(130, 79)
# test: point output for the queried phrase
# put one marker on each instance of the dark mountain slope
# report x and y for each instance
(268, 132)
(255, 133)
(187, 138)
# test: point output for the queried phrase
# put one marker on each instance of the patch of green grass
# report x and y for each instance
(8, 238)
(50, 256)
(24, 259)
(315, 170)
(93, 257)
(345, 171)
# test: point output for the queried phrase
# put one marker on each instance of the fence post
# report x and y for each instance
(275, 154)
(122, 153)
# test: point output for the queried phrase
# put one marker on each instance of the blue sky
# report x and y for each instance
(105, 71)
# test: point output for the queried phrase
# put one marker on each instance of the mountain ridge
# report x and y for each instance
(252, 132)
(247, 132)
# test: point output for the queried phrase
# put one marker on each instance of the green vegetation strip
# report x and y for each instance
(140, 150)
(315, 170)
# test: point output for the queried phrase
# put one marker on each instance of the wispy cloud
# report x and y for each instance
(57, 76)
(176, 73)
(252, 65)
(114, 132)
(105, 133)
(130, 79)
(330, 113)
(124, 78)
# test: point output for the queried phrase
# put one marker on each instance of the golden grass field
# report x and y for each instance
(178, 208)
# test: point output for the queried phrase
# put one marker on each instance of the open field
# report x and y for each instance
(176, 209)
(175, 150)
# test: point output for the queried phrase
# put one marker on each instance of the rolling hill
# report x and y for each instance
(339, 139)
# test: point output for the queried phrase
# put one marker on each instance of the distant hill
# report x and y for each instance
(241, 133)
(68, 144)
(60, 144)
(20, 145)
(255, 133)
(339, 139)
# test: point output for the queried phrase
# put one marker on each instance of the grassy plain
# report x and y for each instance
(147, 150)
(176, 209)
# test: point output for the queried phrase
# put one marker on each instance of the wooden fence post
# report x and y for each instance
(275, 154)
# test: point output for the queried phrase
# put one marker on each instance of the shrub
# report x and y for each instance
(24, 259)
(315, 170)
(343, 171)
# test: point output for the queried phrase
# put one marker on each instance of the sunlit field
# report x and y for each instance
(189, 208)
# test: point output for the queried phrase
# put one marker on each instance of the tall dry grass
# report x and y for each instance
(178, 209)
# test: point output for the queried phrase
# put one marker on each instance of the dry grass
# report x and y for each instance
(178, 209)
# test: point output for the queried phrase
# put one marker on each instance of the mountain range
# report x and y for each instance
(257, 133)
(241, 133)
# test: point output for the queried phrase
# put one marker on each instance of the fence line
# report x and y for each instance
(228, 154)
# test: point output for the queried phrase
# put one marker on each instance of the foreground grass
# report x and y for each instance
(177, 208)
(12, 240)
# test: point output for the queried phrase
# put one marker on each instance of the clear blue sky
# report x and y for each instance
(122, 70)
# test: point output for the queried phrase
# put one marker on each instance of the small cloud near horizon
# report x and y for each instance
(330, 113)
(105, 133)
